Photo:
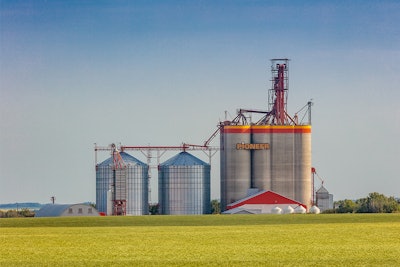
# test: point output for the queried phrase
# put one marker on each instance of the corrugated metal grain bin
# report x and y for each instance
(131, 185)
(184, 185)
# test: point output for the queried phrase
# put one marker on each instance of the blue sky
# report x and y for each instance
(75, 73)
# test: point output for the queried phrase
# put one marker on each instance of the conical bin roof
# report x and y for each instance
(128, 159)
(184, 159)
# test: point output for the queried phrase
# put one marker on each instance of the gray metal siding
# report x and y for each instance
(131, 184)
(184, 189)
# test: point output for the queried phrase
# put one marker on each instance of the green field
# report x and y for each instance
(209, 240)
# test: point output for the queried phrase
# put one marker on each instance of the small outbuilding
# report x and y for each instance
(58, 210)
(264, 202)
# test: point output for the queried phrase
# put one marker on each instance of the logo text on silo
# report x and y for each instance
(246, 146)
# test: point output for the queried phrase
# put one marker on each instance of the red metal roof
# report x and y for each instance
(265, 197)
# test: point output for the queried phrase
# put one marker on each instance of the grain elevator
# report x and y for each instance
(273, 153)
(263, 153)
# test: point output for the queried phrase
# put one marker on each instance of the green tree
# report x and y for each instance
(373, 203)
(378, 203)
(346, 206)
(154, 209)
(363, 206)
(17, 213)
(392, 205)
(215, 206)
(11, 214)
(26, 213)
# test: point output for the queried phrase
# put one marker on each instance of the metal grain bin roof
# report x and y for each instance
(52, 210)
(322, 190)
(128, 159)
(184, 159)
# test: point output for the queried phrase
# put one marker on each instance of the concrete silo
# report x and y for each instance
(273, 153)
(122, 190)
(284, 167)
(235, 163)
(184, 185)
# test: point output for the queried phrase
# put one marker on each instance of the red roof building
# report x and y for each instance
(265, 202)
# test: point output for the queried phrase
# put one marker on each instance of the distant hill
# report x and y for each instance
(25, 205)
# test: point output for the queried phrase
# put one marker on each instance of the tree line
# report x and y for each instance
(373, 203)
(17, 213)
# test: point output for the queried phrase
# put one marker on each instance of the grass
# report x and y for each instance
(210, 240)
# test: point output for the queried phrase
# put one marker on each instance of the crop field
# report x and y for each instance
(208, 240)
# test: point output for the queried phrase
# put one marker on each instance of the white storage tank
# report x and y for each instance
(288, 210)
(315, 210)
(276, 210)
(300, 210)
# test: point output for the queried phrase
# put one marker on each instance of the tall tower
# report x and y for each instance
(278, 92)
